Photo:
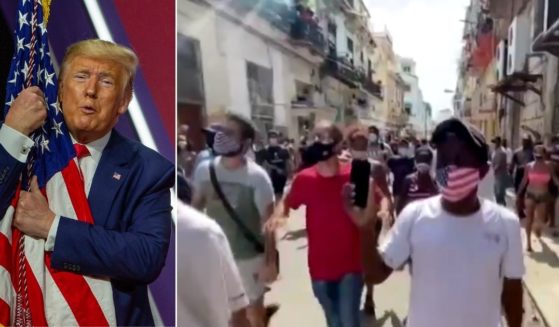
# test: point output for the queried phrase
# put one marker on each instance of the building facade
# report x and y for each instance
(414, 104)
(258, 59)
(392, 116)
(512, 61)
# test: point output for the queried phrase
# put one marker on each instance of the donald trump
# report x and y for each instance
(100, 261)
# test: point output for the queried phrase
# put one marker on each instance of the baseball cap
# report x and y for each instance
(465, 132)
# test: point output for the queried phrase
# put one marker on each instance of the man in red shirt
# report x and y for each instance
(333, 229)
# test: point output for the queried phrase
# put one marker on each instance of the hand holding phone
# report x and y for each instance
(359, 178)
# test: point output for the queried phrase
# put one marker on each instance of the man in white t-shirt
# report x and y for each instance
(210, 291)
(465, 253)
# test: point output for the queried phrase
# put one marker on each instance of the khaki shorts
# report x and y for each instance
(249, 269)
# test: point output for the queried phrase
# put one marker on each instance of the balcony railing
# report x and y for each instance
(308, 31)
(342, 70)
(370, 86)
(300, 27)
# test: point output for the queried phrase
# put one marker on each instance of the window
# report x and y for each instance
(408, 108)
(350, 49)
(407, 87)
(331, 39)
(189, 71)
(407, 69)
(260, 91)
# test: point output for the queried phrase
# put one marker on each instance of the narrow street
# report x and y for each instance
(299, 307)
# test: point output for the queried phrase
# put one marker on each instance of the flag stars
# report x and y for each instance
(43, 28)
(25, 70)
(22, 20)
(9, 103)
(57, 127)
(19, 44)
(49, 79)
(44, 144)
(14, 80)
(56, 107)
(40, 74)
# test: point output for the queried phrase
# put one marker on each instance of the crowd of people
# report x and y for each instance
(532, 171)
(464, 251)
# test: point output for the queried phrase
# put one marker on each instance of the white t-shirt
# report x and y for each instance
(209, 286)
(457, 263)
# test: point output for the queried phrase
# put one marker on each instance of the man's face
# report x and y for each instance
(233, 130)
(93, 95)
(455, 152)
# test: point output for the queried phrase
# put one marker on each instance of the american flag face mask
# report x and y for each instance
(457, 183)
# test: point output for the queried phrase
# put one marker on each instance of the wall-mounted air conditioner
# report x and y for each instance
(519, 44)
(501, 56)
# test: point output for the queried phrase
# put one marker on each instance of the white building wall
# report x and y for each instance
(216, 82)
(417, 116)
(239, 46)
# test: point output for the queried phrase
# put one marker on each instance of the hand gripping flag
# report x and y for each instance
(32, 293)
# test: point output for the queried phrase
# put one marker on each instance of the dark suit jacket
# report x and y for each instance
(130, 237)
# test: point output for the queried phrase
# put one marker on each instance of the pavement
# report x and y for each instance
(542, 280)
(300, 309)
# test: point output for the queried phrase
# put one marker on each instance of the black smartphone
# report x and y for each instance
(359, 177)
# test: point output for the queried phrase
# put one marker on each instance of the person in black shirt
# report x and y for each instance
(277, 162)
(259, 153)
(401, 165)
(420, 184)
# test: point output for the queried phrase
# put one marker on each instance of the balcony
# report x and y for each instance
(308, 33)
(548, 39)
(368, 85)
(342, 70)
(298, 22)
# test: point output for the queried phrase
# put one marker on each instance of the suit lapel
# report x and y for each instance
(110, 175)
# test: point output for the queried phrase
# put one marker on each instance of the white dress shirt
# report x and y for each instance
(18, 146)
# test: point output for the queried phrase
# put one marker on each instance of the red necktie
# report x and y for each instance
(81, 152)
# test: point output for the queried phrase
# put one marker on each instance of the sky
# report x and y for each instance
(430, 32)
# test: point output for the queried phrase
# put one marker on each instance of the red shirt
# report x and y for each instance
(334, 244)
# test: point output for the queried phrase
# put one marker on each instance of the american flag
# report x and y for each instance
(456, 182)
(39, 295)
